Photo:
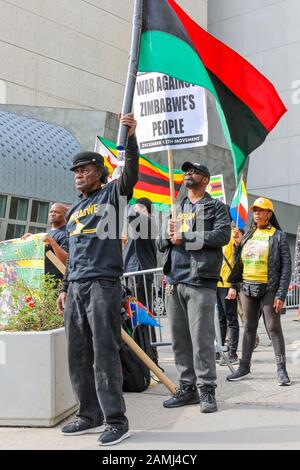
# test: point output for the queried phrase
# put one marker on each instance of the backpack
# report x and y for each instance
(136, 376)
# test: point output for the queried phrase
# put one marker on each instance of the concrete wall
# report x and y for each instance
(69, 53)
(267, 33)
(73, 55)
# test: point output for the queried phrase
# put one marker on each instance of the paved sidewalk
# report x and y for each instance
(253, 414)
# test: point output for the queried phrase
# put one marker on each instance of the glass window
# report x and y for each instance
(34, 230)
(3, 200)
(14, 231)
(39, 212)
(18, 209)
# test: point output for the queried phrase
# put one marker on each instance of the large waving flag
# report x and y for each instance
(239, 205)
(153, 180)
(248, 104)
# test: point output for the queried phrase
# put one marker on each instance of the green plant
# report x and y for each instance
(33, 309)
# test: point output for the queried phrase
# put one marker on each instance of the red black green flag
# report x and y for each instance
(248, 104)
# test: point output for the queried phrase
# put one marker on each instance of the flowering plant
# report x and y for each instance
(32, 309)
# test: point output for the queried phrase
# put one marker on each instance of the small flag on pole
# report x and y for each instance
(216, 188)
(239, 205)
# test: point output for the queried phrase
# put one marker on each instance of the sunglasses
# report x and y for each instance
(193, 171)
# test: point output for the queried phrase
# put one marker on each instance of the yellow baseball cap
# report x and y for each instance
(263, 203)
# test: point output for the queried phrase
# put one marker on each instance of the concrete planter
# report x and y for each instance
(35, 388)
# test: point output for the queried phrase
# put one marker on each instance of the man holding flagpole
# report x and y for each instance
(193, 259)
(91, 294)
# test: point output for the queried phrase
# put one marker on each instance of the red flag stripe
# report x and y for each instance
(235, 72)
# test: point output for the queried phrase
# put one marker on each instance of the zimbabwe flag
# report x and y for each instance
(153, 180)
(248, 104)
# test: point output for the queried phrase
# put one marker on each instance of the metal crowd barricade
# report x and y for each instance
(156, 304)
(293, 295)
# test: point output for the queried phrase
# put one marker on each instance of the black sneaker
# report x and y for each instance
(113, 435)
(242, 372)
(208, 402)
(185, 395)
(78, 427)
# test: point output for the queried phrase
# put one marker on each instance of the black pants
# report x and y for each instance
(228, 318)
(251, 310)
(93, 330)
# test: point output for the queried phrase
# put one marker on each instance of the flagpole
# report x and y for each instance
(171, 183)
(132, 71)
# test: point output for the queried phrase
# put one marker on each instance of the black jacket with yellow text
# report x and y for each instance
(204, 246)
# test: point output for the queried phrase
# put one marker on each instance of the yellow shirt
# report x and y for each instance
(255, 256)
(228, 251)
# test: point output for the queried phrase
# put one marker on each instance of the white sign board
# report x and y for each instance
(171, 114)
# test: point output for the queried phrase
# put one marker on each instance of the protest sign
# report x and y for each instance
(171, 114)
(20, 261)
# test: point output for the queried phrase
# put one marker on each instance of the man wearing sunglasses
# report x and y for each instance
(192, 248)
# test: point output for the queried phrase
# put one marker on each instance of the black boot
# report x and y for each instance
(208, 402)
(185, 395)
(240, 373)
(282, 375)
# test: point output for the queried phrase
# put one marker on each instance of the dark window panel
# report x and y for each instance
(3, 202)
(14, 231)
(39, 212)
(18, 209)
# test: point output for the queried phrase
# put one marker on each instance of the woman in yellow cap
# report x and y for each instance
(263, 265)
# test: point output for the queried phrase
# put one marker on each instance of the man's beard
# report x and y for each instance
(189, 183)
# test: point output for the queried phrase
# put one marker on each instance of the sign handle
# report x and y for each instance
(171, 182)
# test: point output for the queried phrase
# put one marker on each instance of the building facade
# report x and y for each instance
(267, 33)
(69, 53)
(62, 78)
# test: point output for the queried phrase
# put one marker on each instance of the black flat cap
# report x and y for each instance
(85, 158)
(188, 165)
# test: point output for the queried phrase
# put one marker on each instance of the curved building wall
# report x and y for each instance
(35, 158)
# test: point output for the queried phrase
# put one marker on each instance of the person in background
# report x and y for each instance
(227, 299)
(263, 265)
(140, 252)
(140, 255)
(56, 238)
